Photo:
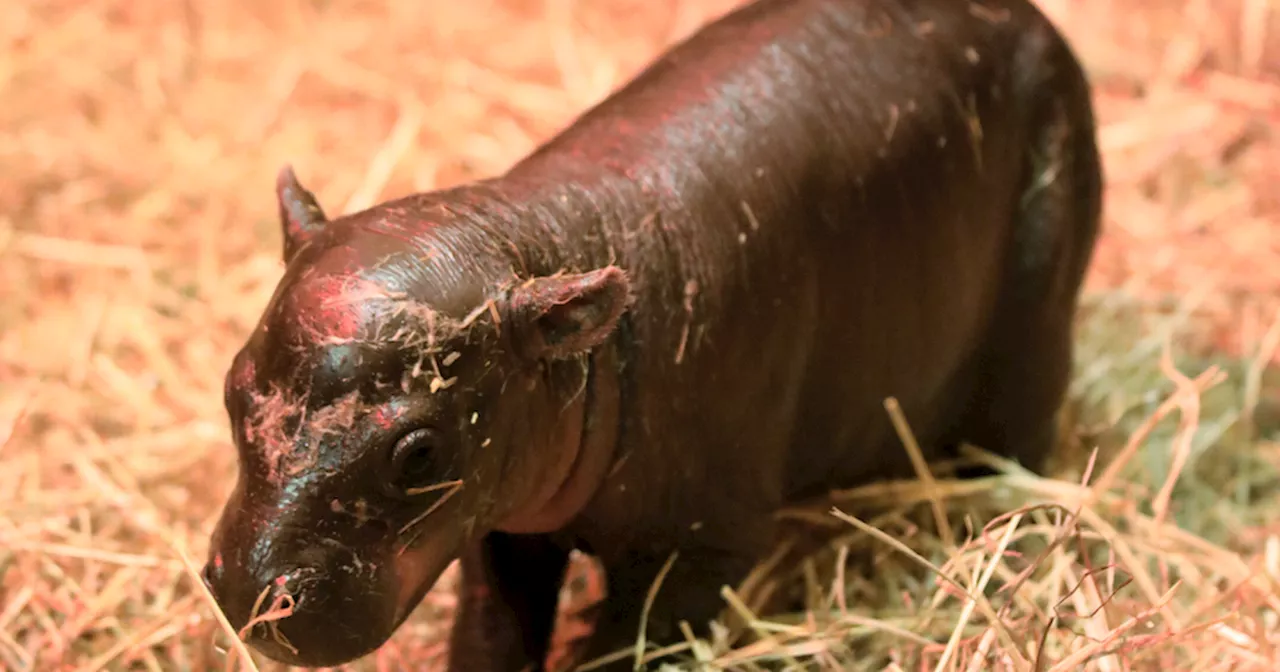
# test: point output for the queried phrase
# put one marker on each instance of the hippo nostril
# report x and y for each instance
(297, 580)
(290, 589)
(307, 613)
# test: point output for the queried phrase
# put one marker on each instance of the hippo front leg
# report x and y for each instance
(507, 601)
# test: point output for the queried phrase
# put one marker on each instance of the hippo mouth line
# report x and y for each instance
(419, 568)
(408, 603)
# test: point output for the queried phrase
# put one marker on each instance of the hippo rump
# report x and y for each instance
(676, 316)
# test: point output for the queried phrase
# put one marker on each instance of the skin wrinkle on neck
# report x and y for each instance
(531, 250)
(593, 454)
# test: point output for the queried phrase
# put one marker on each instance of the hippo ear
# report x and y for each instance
(559, 316)
(300, 215)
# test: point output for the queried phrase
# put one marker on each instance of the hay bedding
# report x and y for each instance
(138, 143)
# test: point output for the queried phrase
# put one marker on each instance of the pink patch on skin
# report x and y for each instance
(387, 419)
(334, 314)
(265, 426)
(246, 375)
(217, 560)
(334, 307)
(338, 417)
(394, 224)
(281, 580)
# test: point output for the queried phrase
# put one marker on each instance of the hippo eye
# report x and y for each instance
(413, 460)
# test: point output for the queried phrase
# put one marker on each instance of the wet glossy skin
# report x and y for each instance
(678, 315)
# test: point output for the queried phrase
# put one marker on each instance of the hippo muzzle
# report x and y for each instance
(319, 595)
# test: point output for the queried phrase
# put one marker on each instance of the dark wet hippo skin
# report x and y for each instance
(676, 316)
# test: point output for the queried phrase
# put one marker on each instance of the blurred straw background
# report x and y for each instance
(138, 243)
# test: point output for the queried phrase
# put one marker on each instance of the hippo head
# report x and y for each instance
(401, 395)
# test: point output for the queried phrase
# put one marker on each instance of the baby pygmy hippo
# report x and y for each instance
(679, 314)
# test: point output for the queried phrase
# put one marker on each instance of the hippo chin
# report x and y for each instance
(680, 314)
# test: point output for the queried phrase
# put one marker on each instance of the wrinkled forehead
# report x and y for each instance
(334, 333)
(342, 326)
(321, 372)
(355, 300)
(344, 297)
(322, 309)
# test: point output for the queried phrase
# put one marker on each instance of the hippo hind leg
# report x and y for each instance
(1012, 409)
(1022, 371)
